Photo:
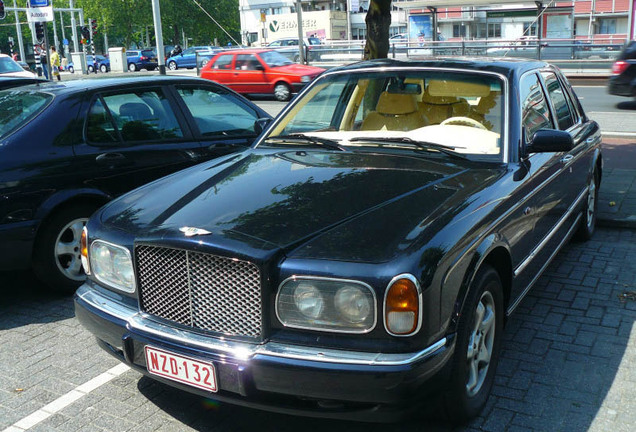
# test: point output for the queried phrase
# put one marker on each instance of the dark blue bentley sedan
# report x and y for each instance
(362, 257)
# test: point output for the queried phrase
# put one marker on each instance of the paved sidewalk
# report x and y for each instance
(617, 196)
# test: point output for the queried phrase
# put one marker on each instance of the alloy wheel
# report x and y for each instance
(67, 250)
(481, 343)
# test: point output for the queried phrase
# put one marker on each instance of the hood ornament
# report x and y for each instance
(193, 231)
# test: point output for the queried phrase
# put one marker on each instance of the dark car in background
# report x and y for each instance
(189, 57)
(141, 59)
(361, 259)
(68, 148)
(623, 79)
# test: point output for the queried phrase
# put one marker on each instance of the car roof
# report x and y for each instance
(81, 85)
(505, 66)
(246, 51)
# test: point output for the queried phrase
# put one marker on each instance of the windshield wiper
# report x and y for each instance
(299, 137)
(424, 145)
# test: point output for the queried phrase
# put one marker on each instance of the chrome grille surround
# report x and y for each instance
(199, 290)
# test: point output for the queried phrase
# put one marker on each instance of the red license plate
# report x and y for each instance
(181, 369)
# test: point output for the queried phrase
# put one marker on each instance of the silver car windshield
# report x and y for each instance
(462, 111)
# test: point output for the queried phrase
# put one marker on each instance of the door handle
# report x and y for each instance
(112, 159)
(567, 158)
(590, 140)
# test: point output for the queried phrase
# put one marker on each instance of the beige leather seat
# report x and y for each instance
(487, 105)
(439, 108)
(395, 112)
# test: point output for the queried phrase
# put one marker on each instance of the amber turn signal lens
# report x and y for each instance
(84, 251)
(402, 307)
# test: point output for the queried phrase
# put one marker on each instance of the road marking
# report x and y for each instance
(65, 400)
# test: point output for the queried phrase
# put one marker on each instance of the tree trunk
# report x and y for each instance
(378, 22)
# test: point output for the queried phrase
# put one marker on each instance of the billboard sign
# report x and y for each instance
(420, 28)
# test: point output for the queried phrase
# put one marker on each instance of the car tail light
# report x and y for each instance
(402, 306)
(619, 67)
(142, 58)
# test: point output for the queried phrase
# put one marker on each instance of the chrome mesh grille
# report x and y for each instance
(203, 291)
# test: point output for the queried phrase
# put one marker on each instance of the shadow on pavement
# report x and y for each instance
(24, 301)
(627, 105)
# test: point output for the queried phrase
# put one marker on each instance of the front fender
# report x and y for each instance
(63, 197)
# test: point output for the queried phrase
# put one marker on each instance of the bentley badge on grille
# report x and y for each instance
(192, 231)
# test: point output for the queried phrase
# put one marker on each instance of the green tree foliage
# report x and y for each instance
(129, 22)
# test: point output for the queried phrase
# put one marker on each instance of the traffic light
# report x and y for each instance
(94, 26)
(39, 32)
(86, 34)
(2, 12)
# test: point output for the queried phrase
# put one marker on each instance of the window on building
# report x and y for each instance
(494, 30)
(607, 26)
(530, 29)
(459, 30)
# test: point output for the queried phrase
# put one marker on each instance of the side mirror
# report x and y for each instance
(261, 123)
(549, 140)
(259, 67)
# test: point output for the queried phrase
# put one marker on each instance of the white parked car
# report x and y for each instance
(11, 68)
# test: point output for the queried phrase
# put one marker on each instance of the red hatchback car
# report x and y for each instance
(259, 71)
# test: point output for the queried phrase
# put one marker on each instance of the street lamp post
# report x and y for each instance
(301, 43)
(156, 13)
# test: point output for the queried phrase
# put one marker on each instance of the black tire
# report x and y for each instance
(71, 69)
(103, 68)
(589, 213)
(469, 391)
(173, 65)
(132, 67)
(282, 92)
(53, 266)
(90, 69)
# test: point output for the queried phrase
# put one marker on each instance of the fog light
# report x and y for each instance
(402, 306)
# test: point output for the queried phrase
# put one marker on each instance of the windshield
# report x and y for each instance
(462, 111)
(275, 59)
(148, 53)
(18, 107)
(7, 65)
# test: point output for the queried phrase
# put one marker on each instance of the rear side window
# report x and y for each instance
(148, 53)
(17, 108)
(629, 52)
(535, 114)
(135, 116)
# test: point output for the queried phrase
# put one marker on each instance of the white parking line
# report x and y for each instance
(65, 400)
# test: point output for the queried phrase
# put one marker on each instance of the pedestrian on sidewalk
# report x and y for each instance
(55, 63)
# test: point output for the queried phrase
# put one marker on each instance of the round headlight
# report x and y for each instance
(123, 269)
(352, 304)
(308, 300)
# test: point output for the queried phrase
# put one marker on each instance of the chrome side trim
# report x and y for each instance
(547, 263)
(241, 351)
(548, 237)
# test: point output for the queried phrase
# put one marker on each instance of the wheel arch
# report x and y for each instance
(64, 199)
(495, 252)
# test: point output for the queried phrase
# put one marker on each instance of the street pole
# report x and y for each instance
(156, 13)
(18, 30)
(73, 27)
(301, 43)
(348, 20)
(46, 52)
(56, 41)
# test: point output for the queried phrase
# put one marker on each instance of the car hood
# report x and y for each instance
(298, 69)
(294, 200)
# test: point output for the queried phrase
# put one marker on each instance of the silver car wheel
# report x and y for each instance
(591, 203)
(481, 343)
(282, 92)
(67, 250)
(172, 65)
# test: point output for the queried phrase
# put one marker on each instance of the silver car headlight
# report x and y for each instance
(336, 305)
(305, 79)
(112, 265)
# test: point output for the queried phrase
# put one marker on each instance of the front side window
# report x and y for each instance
(535, 113)
(461, 111)
(275, 59)
(218, 112)
(135, 116)
(247, 62)
(223, 62)
(565, 119)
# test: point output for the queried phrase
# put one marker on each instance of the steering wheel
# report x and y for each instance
(463, 121)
